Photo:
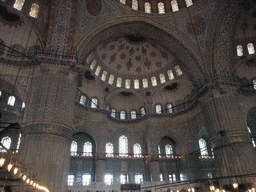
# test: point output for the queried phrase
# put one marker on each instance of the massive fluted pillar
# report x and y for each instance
(47, 131)
(230, 139)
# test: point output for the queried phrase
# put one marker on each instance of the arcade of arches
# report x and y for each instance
(107, 93)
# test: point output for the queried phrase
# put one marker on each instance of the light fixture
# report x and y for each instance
(9, 167)
(31, 182)
(24, 177)
(27, 181)
(235, 185)
(2, 160)
(217, 190)
(15, 171)
(212, 188)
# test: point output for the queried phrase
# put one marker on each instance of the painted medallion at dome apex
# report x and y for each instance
(133, 58)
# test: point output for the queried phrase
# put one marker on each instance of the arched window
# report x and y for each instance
(6, 141)
(145, 83)
(34, 10)
(153, 81)
(137, 150)
(189, 3)
(127, 83)
(23, 105)
(133, 114)
(158, 109)
(169, 108)
(253, 141)
(159, 151)
(111, 79)
(87, 149)
(174, 5)
(119, 82)
(97, 72)
(11, 101)
(109, 150)
(71, 180)
(162, 78)
(123, 1)
(254, 83)
(92, 66)
(147, 7)
(168, 150)
(73, 149)
(89, 58)
(250, 48)
(123, 146)
(82, 100)
(239, 50)
(113, 113)
(135, 4)
(122, 114)
(18, 144)
(104, 76)
(94, 103)
(203, 148)
(170, 74)
(0, 93)
(136, 84)
(161, 9)
(178, 70)
(142, 111)
(19, 4)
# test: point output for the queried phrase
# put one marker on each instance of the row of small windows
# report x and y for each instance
(123, 115)
(94, 101)
(6, 142)
(250, 49)
(11, 101)
(33, 10)
(136, 82)
(160, 6)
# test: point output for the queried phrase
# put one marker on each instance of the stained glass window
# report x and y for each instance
(161, 177)
(159, 151)
(203, 148)
(212, 152)
(142, 111)
(162, 78)
(82, 100)
(104, 76)
(122, 114)
(11, 101)
(172, 177)
(127, 83)
(34, 10)
(136, 84)
(123, 146)
(178, 70)
(94, 103)
(111, 79)
(135, 4)
(145, 83)
(119, 82)
(92, 66)
(175, 6)
(89, 58)
(6, 141)
(87, 149)
(189, 3)
(19, 4)
(133, 114)
(0, 93)
(86, 179)
(147, 7)
(168, 150)
(71, 180)
(182, 177)
(23, 105)
(170, 74)
(123, 1)
(250, 48)
(161, 8)
(113, 113)
(138, 178)
(137, 150)
(253, 141)
(18, 144)
(239, 50)
(153, 81)
(97, 72)
(73, 148)
(108, 179)
(109, 150)
(158, 109)
(169, 108)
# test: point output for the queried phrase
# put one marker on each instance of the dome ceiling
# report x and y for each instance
(122, 56)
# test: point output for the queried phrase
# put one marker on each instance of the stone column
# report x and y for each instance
(230, 139)
(47, 130)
